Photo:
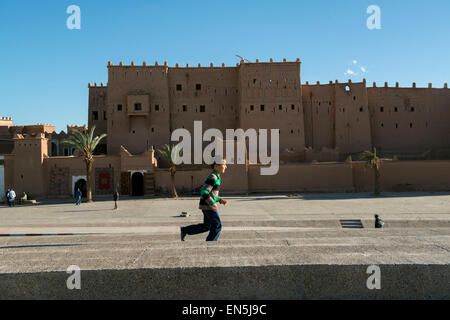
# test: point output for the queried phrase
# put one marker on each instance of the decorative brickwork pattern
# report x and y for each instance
(59, 181)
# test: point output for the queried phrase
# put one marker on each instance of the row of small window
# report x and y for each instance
(261, 107)
(134, 131)
(360, 109)
(198, 87)
(410, 125)
(202, 108)
(396, 109)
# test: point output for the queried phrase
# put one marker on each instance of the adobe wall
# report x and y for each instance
(130, 162)
(303, 177)
(2, 179)
(353, 132)
(98, 100)
(28, 167)
(214, 88)
(410, 119)
(9, 161)
(433, 175)
(138, 131)
(319, 105)
(59, 172)
(274, 93)
(234, 179)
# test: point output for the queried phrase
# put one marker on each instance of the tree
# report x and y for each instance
(171, 154)
(86, 143)
(374, 162)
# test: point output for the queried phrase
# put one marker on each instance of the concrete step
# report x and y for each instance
(308, 264)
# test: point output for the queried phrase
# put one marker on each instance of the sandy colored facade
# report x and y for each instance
(320, 125)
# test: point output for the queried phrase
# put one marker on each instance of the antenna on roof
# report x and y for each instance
(242, 59)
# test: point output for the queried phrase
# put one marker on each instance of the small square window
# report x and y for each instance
(412, 109)
(202, 108)
(198, 86)
(361, 109)
(280, 107)
(179, 87)
(292, 106)
(153, 129)
(156, 107)
(184, 108)
(262, 107)
(138, 106)
(119, 107)
(381, 109)
(252, 107)
(95, 115)
(104, 115)
(395, 109)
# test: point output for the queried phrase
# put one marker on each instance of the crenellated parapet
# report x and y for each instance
(413, 86)
(188, 66)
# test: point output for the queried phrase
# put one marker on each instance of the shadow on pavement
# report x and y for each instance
(40, 245)
(253, 197)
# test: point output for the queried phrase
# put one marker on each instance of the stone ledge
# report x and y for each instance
(414, 281)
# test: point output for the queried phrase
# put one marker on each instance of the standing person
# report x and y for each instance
(209, 197)
(7, 197)
(78, 196)
(116, 198)
(11, 195)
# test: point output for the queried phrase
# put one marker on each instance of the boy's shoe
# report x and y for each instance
(183, 234)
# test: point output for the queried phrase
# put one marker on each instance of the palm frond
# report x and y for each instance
(85, 142)
(96, 141)
(170, 153)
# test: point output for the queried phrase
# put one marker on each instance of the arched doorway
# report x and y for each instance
(81, 183)
(137, 184)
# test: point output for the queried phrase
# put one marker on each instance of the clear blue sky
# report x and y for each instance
(45, 67)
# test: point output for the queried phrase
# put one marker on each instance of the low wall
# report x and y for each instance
(426, 175)
(293, 282)
(303, 177)
(233, 181)
(77, 167)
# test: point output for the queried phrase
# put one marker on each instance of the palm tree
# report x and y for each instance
(374, 162)
(86, 143)
(171, 154)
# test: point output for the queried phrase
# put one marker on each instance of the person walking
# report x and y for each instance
(11, 195)
(78, 196)
(209, 197)
(116, 198)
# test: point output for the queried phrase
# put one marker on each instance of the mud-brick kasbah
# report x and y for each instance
(323, 129)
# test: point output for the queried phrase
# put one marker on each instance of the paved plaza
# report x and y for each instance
(266, 229)
(259, 231)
